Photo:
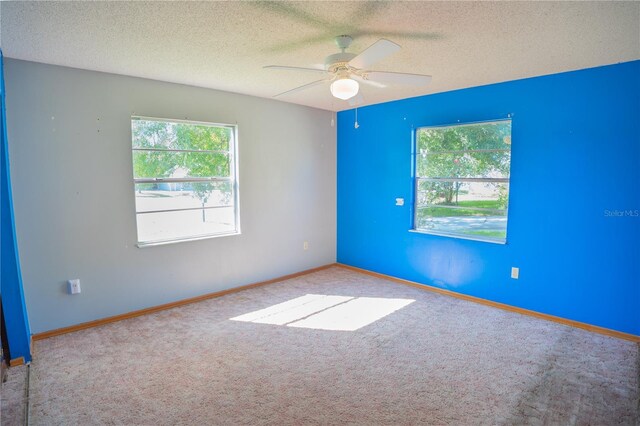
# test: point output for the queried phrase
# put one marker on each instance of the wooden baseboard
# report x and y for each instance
(115, 318)
(564, 321)
(16, 362)
(133, 314)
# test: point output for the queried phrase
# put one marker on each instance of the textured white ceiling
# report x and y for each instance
(224, 45)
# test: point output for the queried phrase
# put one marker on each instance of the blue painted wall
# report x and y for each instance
(575, 157)
(15, 311)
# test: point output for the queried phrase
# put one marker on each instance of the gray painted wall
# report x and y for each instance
(70, 152)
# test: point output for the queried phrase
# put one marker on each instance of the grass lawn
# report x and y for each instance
(487, 233)
(484, 204)
(443, 211)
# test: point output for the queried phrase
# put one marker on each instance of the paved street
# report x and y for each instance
(463, 224)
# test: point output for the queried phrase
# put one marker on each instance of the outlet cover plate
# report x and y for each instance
(74, 286)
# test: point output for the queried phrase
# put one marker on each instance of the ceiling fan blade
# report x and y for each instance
(283, 67)
(374, 53)
(368, 82)
(303, 87)
(356, 100)
(385, 77)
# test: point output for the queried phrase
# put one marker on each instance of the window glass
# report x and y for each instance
(462, 180)
(184, 180)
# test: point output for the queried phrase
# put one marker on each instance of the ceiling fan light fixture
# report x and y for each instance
(344, 71)
(344, 88)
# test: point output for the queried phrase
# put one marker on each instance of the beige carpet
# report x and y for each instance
(436, 360)
(13, 402)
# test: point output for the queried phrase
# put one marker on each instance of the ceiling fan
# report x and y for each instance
(344, 71)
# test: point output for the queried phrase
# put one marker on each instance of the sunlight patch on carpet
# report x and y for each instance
(292, 310)
(325, 312)
(352, 315)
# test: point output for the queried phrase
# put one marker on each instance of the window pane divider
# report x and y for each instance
(204, 151)
(464, 151)
(183, 180)
(427, 206)
(183, 210)
(461, 179)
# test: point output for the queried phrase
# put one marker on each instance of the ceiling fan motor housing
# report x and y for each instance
(343, 42)
(333, 62)
(337, 58)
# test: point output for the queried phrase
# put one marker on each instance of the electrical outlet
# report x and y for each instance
(305, 245)
(74, 286)
(515, 273)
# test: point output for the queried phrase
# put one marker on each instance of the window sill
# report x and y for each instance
(183, 240)
(458, 236)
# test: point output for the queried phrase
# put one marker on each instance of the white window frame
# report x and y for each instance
(233, 178)
(417, 180)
